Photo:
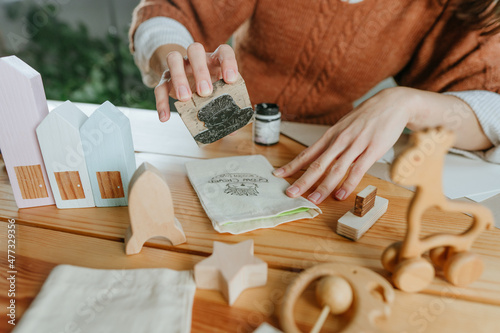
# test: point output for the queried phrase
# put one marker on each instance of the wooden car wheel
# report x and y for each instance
(413, 275)
(390, 256)
(439, 255)
(463, 268)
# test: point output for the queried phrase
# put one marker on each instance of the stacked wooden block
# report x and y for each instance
(87, 161)
(365, 200)
(368, 208)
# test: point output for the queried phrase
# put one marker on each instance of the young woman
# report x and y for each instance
(314, 58)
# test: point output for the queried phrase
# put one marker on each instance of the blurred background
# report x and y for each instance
(80, 47)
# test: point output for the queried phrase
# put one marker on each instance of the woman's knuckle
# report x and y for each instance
(316, 166)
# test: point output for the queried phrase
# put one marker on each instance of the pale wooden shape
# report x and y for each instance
(108, 147)
(22, 108)
(110, 184)
(289, 247)
(373, 296)
(63, 154)
(231, 269)
(365, 200)
(421, 165)
(335, 295)
(354, 227)
(190, 110)
(151, 210)
(44, 248)
(31, 182)
(266, 328)
(69, 185)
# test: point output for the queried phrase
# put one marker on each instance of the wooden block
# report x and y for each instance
(31, 182)
(69, 184)
(151, 210)
(231, 269)
(109, 154)
(22, 108)
(63, 154)
(354, 227)
(218, 115)
(110, 184)
(365, 200)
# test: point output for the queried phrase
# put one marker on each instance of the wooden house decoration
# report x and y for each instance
(22, 107)
(109, 154)
(63, 154)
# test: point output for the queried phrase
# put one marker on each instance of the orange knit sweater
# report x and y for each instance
(314, 58)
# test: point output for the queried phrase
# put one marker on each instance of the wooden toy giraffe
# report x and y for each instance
(421, 165)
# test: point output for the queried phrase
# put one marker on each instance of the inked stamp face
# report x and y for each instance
(222, 116)
(211, 118)
(241, 184)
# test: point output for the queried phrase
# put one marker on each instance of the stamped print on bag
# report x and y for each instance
(242, 184)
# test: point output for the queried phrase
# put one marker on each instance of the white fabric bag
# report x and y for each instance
(240, 194)
(79, 300)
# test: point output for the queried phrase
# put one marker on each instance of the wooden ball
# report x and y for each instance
(335, 292)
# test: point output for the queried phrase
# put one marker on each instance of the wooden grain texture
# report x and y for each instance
(421, 165)
(39, 250)
(151, 210)
(365, 200)
(110, 184)
(63, 154)
(69, 184)
(231, 269)
(108, 138)
(22, 108)
(211, 118)
(373, 299)
(296, 245)
(31, 182)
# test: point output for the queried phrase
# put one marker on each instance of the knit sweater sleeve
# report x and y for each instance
(452, 59)
(209, 22)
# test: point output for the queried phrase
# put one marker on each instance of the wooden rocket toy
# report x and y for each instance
(151, 210)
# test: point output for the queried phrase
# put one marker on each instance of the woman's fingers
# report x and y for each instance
(198, 61)
(317, 168)
(305, 157)
(161, 95)
(225, 58)
(358, 170)
(336, 173)
(180, 83)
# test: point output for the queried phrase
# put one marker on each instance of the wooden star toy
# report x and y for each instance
(231, 269)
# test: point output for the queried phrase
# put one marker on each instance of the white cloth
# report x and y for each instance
(152, 34)
(486, 106)
(77, 299)
(240, 194)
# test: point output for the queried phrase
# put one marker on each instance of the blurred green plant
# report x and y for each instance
(77, 67)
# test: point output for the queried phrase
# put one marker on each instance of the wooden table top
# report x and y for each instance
(93, 237)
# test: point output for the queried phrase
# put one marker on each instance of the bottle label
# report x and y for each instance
(267, 132)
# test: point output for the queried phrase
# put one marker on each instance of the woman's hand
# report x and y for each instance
(352, 145)
(196, 71)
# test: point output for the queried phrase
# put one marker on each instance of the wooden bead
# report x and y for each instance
(335, 292)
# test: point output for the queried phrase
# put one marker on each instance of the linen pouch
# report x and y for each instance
(76, 299)
(240, 194)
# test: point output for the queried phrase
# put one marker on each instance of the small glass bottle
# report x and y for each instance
(266, 127)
